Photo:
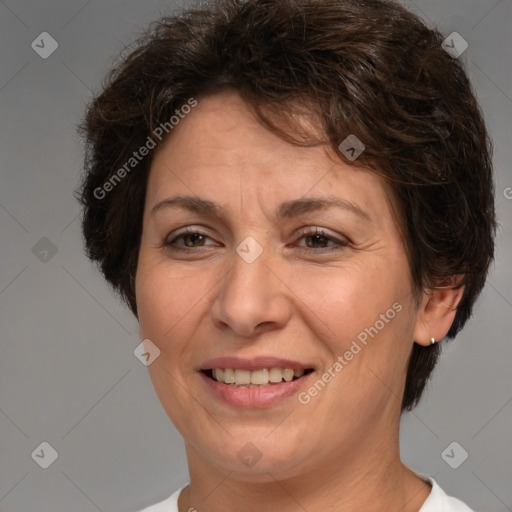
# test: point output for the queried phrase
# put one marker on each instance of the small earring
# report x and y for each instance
(432, 341)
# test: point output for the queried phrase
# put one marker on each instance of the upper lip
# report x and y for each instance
(255, 363)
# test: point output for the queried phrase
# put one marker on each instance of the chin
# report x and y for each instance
(258, 461)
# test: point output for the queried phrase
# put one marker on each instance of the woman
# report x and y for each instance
(295, 200)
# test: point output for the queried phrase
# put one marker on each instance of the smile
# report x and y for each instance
(263, 377)
(243, 392)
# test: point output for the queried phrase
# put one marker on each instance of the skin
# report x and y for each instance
(340, 451)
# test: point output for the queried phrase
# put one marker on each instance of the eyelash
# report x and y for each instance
(305, 233)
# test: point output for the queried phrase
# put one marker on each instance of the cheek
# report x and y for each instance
(345, 300)
(363, 314)
(166, 301)
(169, 305)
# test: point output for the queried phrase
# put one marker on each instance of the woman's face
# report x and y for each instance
(254, 269)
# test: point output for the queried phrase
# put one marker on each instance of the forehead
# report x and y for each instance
(224, 125)
(221, 149)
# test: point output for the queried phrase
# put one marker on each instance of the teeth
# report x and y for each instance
(257, 378)
(242, 377)
(288, 374)
(229, 376)
(276, 375)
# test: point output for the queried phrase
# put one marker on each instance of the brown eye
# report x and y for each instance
(192, 239)
(188, 240)
(318, 241)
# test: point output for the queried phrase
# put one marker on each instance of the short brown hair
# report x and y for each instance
(372, 69)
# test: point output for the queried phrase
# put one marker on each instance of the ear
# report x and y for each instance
(437, 311)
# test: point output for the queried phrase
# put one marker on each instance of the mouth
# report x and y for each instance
(260, 378)
(258, 382)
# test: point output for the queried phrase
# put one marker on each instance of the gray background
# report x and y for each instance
(68, 375)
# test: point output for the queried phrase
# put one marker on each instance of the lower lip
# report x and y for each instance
(254, 397)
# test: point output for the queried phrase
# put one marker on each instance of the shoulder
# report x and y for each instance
(170, 504)
(439, 501)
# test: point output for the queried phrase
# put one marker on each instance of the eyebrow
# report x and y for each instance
(286, 210)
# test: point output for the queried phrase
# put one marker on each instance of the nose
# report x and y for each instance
(252, 298)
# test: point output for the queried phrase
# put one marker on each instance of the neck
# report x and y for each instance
(365, 479)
